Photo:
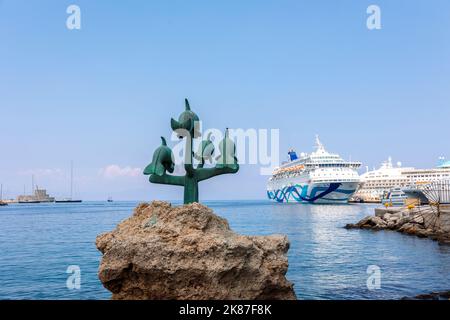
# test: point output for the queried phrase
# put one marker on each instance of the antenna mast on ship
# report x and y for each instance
(319, 144)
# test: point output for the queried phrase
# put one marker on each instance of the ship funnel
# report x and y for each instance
(292, 155)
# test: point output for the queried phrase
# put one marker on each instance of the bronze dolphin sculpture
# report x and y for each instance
(205, 150)
(187, 122)
(227, 157)
(162, 160)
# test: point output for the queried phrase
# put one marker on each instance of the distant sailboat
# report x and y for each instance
(1, 196)
(70, 200)
(110, 199)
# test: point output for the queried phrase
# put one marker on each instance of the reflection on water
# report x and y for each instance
(326, 261)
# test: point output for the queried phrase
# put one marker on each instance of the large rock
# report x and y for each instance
(409, 228)
(418, 219)
(444, 295)
(372, 222)
(187, 252)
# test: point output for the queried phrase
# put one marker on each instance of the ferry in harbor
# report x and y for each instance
(319, 177)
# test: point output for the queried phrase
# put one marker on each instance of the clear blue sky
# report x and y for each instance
(103, 95)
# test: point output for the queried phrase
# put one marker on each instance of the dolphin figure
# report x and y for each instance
(206, 150)
(162, 160)
(227, 157)
(187, 122)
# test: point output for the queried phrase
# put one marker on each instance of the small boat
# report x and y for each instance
(110, 199)
(28, 201)
(2, 204)
(395, 197)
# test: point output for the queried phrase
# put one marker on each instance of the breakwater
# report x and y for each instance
(431, 221)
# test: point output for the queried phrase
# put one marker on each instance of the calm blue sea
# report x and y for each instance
(326, 261)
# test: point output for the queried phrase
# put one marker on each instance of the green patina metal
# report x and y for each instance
(187, 127)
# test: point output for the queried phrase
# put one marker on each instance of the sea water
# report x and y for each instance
(39, 242)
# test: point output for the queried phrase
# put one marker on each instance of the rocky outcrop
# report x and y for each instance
(443, 295)
(423, 222)
(188, 252)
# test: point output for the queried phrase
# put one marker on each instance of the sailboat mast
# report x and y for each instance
(1, 192)
(71, 179)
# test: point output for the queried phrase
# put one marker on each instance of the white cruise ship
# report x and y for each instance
(376, 183)
(319, 177)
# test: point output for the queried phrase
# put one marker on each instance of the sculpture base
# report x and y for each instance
(188, 252)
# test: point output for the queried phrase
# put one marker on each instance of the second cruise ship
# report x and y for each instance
(319, 177)
(377, 184)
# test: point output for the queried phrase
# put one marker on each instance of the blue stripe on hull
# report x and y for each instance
(298, 193)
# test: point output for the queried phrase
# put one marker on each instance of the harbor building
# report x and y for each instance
(40, 195)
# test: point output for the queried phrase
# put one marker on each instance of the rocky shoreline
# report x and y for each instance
(423, 222)
(443, 295)
(189, 253)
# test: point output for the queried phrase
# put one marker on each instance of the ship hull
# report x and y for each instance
(317, 193)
